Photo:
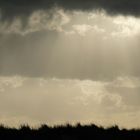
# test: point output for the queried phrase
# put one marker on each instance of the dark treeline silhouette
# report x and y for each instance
(68, 132)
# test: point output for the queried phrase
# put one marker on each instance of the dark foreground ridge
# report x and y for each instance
(68, 132)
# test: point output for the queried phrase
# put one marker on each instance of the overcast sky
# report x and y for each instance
(70, 61)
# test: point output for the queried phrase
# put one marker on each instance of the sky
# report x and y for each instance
(69, 61)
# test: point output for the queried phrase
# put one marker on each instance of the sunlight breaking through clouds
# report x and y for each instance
(62, 65)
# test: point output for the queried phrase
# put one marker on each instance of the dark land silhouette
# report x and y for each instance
(68, 132)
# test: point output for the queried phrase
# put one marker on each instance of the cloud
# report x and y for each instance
(14, 8)
(98, 93)
(53, 101)
(37, 21)
(127, 26)
(84, 28)
(12, 82)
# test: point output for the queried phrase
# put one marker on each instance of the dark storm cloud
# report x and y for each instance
(23, 8)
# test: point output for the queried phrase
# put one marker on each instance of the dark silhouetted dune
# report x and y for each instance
(68, 132)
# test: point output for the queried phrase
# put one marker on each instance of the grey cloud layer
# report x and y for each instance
(23, 8)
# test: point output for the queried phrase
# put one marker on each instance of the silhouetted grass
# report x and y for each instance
(68, 132)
